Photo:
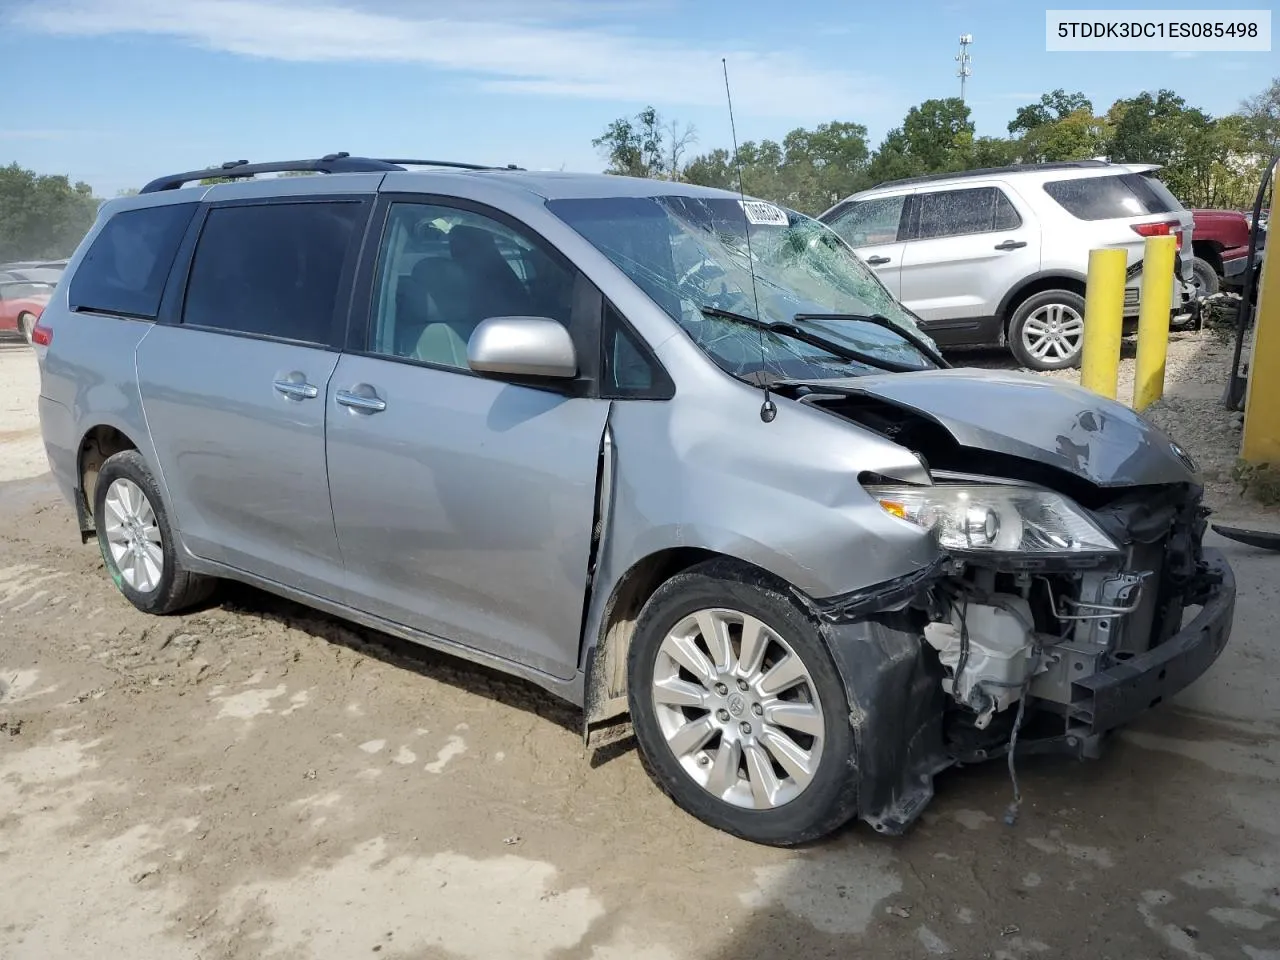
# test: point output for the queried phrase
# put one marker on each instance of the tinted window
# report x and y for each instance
(442, 270)
(629, 368)
(271, 269)
(955, 213)
(125, 268)
(865, 223)
(1112, 197)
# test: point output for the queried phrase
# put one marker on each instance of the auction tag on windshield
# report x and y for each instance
(763, 214)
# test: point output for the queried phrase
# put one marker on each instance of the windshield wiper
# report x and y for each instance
(880, 320)
(834, 347)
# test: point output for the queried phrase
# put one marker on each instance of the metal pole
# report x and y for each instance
(1103, 320)
(963, 58)
(1153, 320)
(1261, 440)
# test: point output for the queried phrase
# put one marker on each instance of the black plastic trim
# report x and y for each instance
(857, 604)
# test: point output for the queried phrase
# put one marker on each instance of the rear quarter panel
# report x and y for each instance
(88, 379)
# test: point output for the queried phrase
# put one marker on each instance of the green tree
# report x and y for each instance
(713, 169)
(645, 145)
(808, 171)
(938, 134)
(42, 216)
(1078, 135)
(1050, 108)
(1206, 161)
(992, 152)
(825, 164)
(1151, 129)
(1261, 115)
(894, 159)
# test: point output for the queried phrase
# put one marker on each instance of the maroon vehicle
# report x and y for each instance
(21, 303)
(1220, 243)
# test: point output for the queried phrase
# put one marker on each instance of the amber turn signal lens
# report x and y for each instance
(897, 509)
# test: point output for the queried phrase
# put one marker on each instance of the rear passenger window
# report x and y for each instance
(1112, 197)
(272, 269)
(125, 268)
(956, 213)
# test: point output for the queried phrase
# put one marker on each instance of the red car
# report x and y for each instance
(1220, 243)
(21, 303)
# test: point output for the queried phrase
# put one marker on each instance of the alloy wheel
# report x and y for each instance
(1053, 332)
(133, 535)
(738, 708)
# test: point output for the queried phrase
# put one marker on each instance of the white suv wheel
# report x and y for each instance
(1047, 330)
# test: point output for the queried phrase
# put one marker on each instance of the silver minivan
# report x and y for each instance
(675, 455)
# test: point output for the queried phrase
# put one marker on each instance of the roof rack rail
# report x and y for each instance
(451, 164)
(991, 171)
(329, 163)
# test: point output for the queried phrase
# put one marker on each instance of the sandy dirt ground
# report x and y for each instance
(256, 780)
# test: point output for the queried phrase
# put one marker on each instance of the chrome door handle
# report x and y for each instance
(876, 261)
(1011, 245)
(358, 402)
(296, 390)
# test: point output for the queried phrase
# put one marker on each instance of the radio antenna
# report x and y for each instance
(768, 410)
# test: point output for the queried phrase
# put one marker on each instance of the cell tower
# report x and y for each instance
(965, 69)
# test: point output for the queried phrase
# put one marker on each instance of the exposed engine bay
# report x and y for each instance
(1063, 608)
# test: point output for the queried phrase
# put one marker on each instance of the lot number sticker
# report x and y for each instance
(763, 214)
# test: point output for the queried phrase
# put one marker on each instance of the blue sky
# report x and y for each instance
(115, 92)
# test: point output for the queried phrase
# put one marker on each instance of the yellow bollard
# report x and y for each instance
(1261, 441)
(1153, 320)
(1103, 320)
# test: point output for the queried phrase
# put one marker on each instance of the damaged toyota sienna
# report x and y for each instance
(673, 454)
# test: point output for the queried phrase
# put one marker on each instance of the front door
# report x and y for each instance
(967, 248)
(463, 504)
(234, 393)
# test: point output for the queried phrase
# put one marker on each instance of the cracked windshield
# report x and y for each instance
(691, 255)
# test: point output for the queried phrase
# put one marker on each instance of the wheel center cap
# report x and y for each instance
(736, 704)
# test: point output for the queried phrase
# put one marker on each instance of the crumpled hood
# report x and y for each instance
(1036, 418)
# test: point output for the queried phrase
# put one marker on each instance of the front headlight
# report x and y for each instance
(993, 518)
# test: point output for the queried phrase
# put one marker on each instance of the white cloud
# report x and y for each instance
(583, 53)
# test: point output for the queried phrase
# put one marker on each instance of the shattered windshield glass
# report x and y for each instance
(690, 253)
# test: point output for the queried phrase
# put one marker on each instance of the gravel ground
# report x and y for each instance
(257, 780)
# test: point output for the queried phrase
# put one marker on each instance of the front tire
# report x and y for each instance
(26, 323)
(1046, 331)
(137, 541)
(738, 709)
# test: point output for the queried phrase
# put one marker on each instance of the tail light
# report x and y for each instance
(41, 335)
(1162, 228)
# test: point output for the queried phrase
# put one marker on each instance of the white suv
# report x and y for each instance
(999, 256)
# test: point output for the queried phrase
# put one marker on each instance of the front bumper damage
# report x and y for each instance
(1113, 697)
(907, 729)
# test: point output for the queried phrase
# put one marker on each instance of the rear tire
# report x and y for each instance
(754, 743)
(137, 542)
(1046, 331)
(1204, 277)
(26, 323)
